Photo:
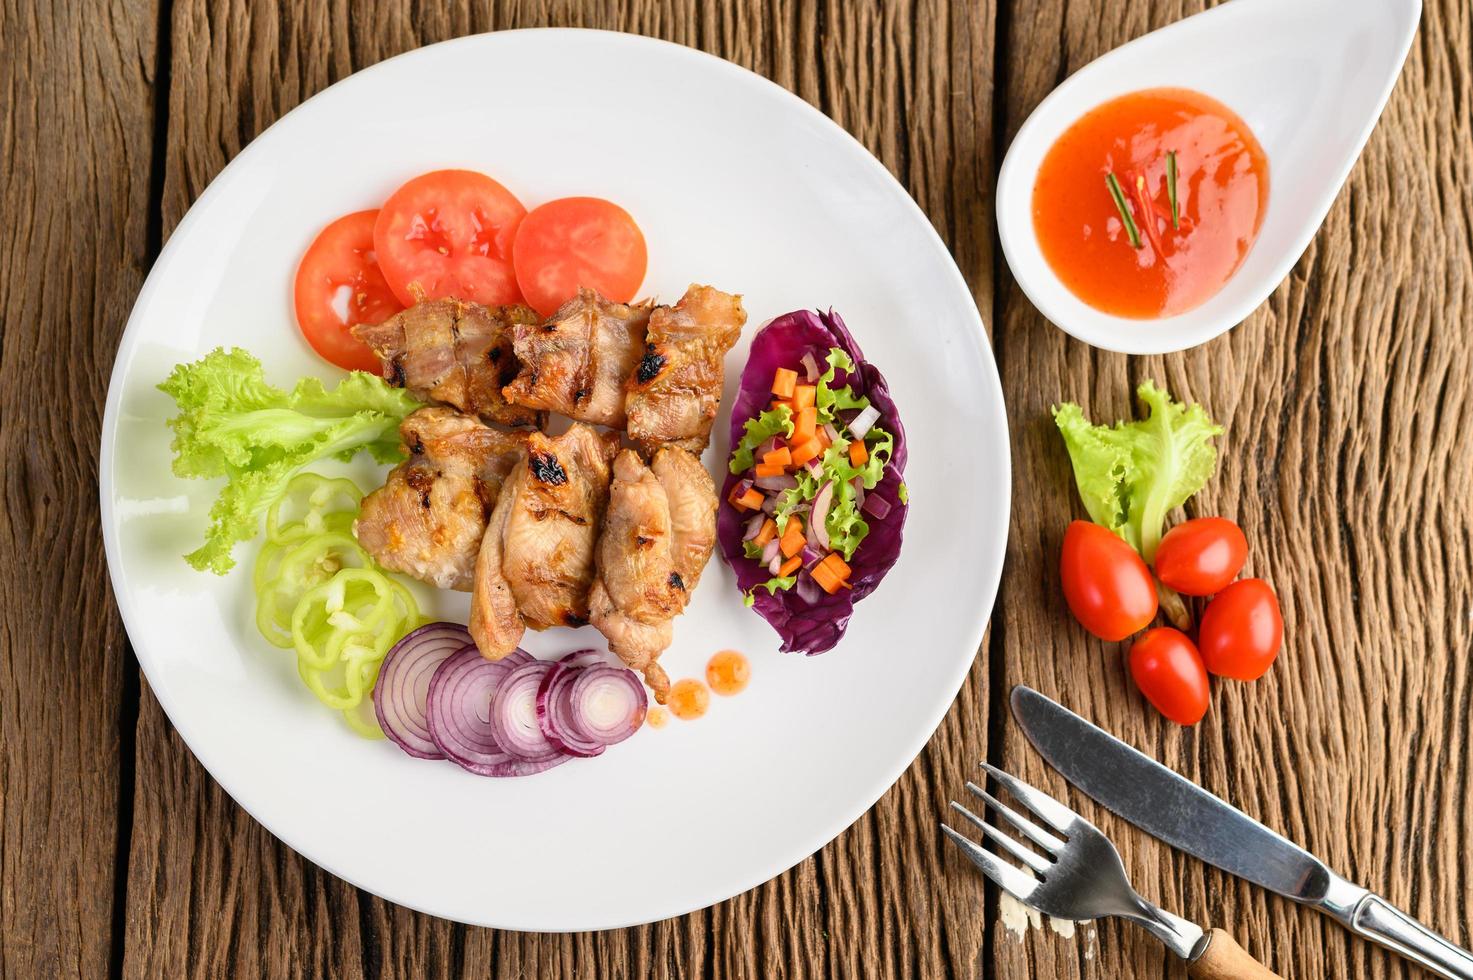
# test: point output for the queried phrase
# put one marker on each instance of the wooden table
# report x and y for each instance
(1348, 401)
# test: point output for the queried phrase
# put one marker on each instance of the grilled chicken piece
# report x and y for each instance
(577, 362)
(657, 537)
(453, 352)
(536, 561)
(428, 518)
(675, 392)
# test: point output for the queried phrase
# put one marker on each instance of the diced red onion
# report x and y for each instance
(740, 490)
(766, 447)
(754, 526)
(811, 556)
(777, 484)
(769, 505)
(876, 506)
(514, 714)
(776, 565)
(831, 432)
(810, 367)
(818, 524)
(807, 588)
(608, 704)
(863, 421)
(858, 484)
(814, 466)
(458, 710)
(403, 687)
(770, 551)
(555, 715)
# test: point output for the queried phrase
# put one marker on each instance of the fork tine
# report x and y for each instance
(1026, 827)
(1004, 875)
(1053, 813)
(1031, 858)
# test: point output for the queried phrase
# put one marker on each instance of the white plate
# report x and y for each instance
(736, 182)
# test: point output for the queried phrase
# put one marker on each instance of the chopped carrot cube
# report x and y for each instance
(802, 453)
(781, 456)
(783, 383)
(858, 455)
(770, 469)
(823, 438)
(751, 500)
(825, 578)
(805, 424)
(836, 565)
(793, 538)
(790, 566)
(777, 403)
(768, 532)
(804, 396)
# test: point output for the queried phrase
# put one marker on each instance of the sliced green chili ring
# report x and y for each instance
(324, 497)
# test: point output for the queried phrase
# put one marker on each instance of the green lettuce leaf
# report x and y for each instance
(233, 424)
(1132, 474)
(773, 422)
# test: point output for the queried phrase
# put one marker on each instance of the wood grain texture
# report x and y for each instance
(1348, 400)
(1348, 462)
(211, 893)
(74, 185)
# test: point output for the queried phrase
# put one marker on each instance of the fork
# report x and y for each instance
(1079, 876)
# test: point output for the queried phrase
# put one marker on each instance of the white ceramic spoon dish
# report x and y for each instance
(1310, 77)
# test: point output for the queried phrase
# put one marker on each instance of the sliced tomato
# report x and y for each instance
(578, 241)
(339, 283)
(449, 233)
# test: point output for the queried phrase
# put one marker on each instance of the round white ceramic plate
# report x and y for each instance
(736, 183)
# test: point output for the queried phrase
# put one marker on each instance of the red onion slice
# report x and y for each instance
(810, 367)
(582, 658)
(608, 704)
(818, 525)
(776, 484)
(555, 715)
(754, 526)
(517, 657)
(864, 421)
(514, 714)
(403, 687)
(876, 506)
(459, 711)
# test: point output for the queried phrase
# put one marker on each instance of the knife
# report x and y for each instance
(1189, 818)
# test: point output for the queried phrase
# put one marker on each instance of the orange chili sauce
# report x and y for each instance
(657, 717)
(728, 673)
(688, 699)
(1222, 190)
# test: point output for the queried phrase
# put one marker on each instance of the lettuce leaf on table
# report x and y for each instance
(233, 424)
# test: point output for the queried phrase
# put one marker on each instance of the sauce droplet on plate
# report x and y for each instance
(1148, 204)
(688, 699)
(657, 717)
(728, 673)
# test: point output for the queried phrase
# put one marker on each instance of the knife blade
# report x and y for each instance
(1176, 810)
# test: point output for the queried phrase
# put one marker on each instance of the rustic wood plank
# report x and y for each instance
(1346, 400)
(210, 892)
(74, 185)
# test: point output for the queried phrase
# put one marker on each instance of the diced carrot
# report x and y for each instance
(832, 573)
(783, 383)
(793, 538)
(805, 424)
(769, 469)
(768, 532)
(858, 455)
(823, 438)
(751, 500)
(804, 396)
(790, 566)
(781, 456)
(805, 451)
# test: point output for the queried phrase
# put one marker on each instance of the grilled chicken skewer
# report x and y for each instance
(428, 518)
(456, 353)
(657, 537)
(536, 561)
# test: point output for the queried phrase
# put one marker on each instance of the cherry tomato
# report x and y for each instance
(1241, 630)
(449, 233)
(578, 241)
(338, 284)
(1169, 672)
(1107, 586)
(1201, 556)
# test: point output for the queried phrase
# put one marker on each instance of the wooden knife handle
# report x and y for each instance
(1224, 959)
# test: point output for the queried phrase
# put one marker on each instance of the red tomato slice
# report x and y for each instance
(449, 233)
(338, 284)
(578, 241)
